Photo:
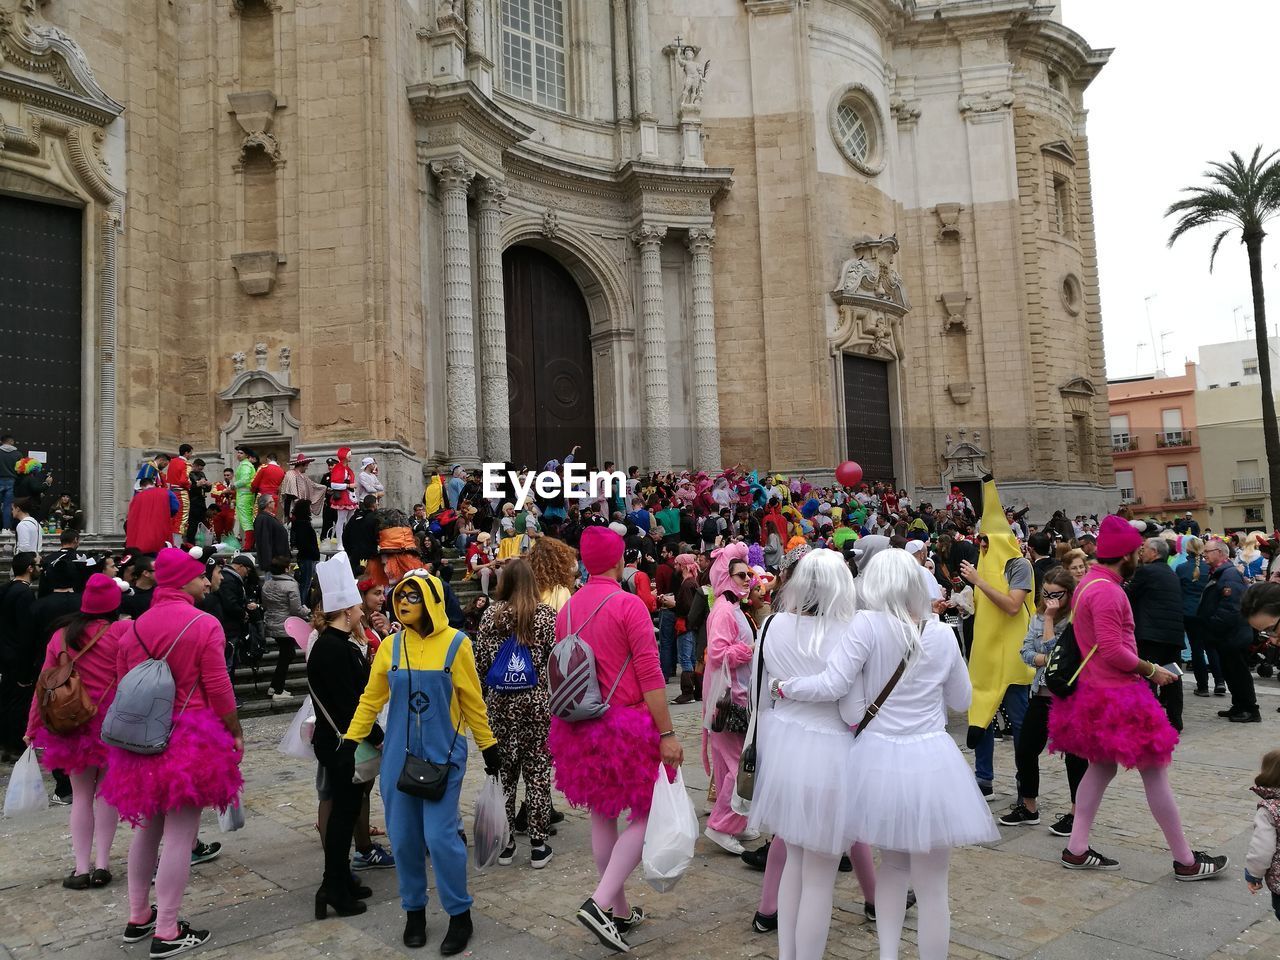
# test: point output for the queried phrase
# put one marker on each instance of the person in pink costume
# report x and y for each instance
(730, 644)
(1113, 717)
(163, 794)
(89, 639)
(608, 765)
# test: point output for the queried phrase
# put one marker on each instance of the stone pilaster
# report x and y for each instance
(706, 451)
(496, 427)
(621, 61)
(453, 176)
(657, 399)
(103, 517)
(642, 69)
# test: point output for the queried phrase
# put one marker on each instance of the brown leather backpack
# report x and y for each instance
(64, 703)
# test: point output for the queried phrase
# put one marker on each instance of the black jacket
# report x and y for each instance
(270, 539)
(336, 673)
(232, 598)
(17, 647)
(1219, 613)
(360, 537)
(1155, 593)
(302, 537)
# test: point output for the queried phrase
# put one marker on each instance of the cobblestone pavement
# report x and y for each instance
(1009, 899)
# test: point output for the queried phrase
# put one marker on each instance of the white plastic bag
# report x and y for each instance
(491, 832)
(295, 742)
(232, 818)
(671, 833)
(26, 787)
(716, 687)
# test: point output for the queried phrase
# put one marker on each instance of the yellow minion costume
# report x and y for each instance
(424, 666)
(433, 495)
(995, 662)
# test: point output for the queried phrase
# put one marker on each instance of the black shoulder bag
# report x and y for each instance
(745, 787)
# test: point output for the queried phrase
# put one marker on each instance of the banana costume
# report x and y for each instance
(995, 662)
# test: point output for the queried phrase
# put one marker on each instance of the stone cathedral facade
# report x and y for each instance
(686, 233)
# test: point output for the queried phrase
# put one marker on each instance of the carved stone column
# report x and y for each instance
(496, 428)
(622, 61)
(706, 395)
(642, 66)
(657, 400)
(453, 177)
(103, 518)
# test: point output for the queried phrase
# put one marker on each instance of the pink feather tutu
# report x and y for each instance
(75, 751)
(1123, 725)
(199, 768)
(608, 764)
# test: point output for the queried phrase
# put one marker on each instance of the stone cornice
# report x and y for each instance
(639, 177)
(1061, 46)
(464, 105)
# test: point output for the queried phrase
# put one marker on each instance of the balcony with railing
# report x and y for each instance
(1249, 486)
(1180, 492)
(1173, 438)
(1129, 496)
(1123, 443)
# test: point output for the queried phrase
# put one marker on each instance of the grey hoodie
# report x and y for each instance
(9, 458)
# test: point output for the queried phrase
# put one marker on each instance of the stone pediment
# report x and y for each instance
(42, 66)
(250, 385)
(1078, 394)
(963, 458)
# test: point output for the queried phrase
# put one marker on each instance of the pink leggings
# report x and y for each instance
(1155, 780)
(177, 828)
(93, 821)
(863, 866)
(726, 751)
(616, 855)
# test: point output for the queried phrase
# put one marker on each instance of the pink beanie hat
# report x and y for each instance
(723, 558)
(101, 596)
(176, 568)
(601, 549)
(1117, 538)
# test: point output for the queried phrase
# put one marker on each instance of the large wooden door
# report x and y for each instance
(550, 390)
(868, 423)
(40, 333)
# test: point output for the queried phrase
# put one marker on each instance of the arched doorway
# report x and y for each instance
(551, 384)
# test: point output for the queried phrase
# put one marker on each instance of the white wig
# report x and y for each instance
(893, 583)
(820, 586)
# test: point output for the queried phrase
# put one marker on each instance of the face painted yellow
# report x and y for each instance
(417, 603)
(410, 609)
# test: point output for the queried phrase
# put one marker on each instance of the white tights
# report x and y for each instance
(804, 903)
(926, 873)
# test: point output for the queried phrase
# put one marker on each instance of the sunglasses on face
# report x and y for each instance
(741, 575)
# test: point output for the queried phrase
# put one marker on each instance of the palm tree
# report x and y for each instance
(1242, 196)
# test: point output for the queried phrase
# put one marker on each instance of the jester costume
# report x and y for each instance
(178, 481)
(995, 662)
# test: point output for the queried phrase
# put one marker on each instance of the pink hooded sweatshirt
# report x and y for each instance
(729, 636)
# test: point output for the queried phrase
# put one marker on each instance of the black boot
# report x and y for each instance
(358, 889)
(686, 688)
(342, 902)
(415, 928)
(458, 935)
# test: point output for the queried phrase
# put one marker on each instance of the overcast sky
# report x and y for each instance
(1186, 84)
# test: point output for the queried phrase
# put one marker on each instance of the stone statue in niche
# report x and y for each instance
(238, 361)
(259, 415)
(260, 355)
(695, 77)
(870, 273)
(449, 10)
(286, 357)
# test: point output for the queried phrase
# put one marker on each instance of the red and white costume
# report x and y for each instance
(341, 482)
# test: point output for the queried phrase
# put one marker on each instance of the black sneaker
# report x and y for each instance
(1091, 859)
(846, 865)
(764, 922)
(601, 924)
(757, 859)
(987, 789)
(1219, 689)
(1246, 716)
(633, 919)
(204, 852)
(1201, 867)
(1063, 826)
(133, 932)
(540, 857)
(1020, 816)
(556, 816)
(1201, 692)
(508, 855)
(187, 939)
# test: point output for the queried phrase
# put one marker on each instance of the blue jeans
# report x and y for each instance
(1015, 702)
(667, 642)
(684, 650)
(306, 573)
(6, 501)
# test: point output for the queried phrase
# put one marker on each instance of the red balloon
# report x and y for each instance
(849, 473)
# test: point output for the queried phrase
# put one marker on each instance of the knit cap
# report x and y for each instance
(101, 596)
(1117, 538)
(601, 549)
(176, 568)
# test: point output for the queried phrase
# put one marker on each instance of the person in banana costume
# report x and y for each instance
(1003, 583)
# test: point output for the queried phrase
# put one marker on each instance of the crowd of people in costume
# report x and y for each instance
(826, 632)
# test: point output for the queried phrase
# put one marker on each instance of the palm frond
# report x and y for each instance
(1217, 242)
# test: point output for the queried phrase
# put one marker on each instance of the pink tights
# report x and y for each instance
(864, 868)
(93, 821)
(617, 855)
(177, 828)
(726, 751)
(1164, 807)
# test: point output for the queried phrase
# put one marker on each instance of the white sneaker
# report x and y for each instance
(282, 695)
(749, 836)
(725, 842)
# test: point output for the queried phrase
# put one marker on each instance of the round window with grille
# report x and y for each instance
(857, 127)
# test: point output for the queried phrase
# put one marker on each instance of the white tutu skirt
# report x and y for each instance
(915, 794)
(802, 783)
